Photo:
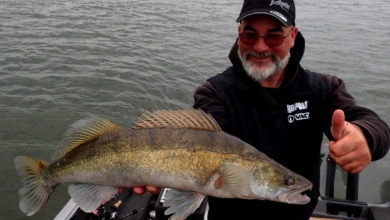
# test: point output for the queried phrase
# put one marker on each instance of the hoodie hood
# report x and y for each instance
(291, 70)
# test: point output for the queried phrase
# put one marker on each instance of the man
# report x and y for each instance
(268, 100)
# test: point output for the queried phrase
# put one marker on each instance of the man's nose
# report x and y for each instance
(260, 45)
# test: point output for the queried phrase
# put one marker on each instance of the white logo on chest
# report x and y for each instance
(302, 114)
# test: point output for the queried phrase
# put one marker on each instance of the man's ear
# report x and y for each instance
(294, 34)
(239, 28)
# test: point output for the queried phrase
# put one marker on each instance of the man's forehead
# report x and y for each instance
(273, 29)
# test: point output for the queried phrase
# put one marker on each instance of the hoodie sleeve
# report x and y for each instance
(207, 99)
(375, 129)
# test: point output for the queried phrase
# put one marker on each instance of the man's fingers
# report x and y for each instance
(142, 189)
(139, 190)
(340, 148)
(153, 189)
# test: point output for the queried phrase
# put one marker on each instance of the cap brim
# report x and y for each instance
(272, 13)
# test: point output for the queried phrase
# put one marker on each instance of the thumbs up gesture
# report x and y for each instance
(349, 149)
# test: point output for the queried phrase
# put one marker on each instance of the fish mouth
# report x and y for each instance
(295, 196)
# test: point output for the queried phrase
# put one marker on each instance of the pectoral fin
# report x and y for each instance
(234, 179)
(181, 203)
(90, 197)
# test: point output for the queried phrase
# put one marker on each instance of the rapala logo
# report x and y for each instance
(298, 106)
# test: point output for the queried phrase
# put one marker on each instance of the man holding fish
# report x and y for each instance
(253, 148)
(268, 100)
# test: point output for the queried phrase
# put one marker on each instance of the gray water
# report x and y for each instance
(61, 61)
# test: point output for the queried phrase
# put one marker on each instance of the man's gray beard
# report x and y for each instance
(259, 73)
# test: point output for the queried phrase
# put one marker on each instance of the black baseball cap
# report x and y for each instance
(283, 10)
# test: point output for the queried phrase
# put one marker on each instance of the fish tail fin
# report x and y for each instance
(35, 190)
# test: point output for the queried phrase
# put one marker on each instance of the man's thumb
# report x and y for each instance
(338, 124)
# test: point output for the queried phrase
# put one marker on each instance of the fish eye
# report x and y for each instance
(289, 180)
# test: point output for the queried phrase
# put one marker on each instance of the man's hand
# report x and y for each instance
(350, 149)
(141, 189)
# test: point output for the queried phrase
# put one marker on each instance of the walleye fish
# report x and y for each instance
(180, 149)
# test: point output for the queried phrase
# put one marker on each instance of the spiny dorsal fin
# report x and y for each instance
(83, 131)
(182, 118)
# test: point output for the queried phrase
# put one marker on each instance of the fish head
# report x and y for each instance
(272, 181)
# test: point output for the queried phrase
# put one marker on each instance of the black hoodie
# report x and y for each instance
(286, 123)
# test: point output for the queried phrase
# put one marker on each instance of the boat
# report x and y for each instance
(130, 206)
